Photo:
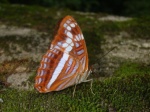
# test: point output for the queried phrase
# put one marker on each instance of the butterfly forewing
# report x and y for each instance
(66, 61)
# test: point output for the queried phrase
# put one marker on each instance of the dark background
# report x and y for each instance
(117, 7)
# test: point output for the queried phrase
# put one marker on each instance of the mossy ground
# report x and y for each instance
(127, 90)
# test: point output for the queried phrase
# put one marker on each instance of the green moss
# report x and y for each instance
(128, 94)
(29, 16)
(109, 27)
(129, 68)
(44, 19)
(15, 100)
(32, 77)
(10, 42)
(137, 27)
(128, 91)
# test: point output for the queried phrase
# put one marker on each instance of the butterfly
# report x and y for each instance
(66, 61)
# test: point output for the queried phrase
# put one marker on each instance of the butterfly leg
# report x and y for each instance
(76, 82)
(74, 90)
(90, 80)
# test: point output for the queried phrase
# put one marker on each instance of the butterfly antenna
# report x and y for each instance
(108, 52)
(91, 68)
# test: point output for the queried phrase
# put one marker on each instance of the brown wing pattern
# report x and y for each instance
(66, 62)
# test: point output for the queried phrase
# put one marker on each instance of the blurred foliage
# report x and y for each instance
(4, 1)
(118, 7)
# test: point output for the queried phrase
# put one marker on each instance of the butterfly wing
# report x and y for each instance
(69, 36)
(66, 62)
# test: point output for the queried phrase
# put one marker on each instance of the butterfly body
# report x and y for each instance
(66, 62)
